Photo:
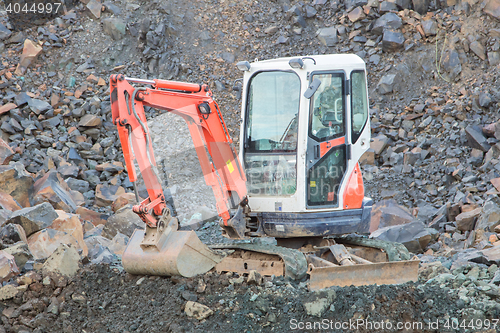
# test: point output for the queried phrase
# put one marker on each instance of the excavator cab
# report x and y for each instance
(304, 127)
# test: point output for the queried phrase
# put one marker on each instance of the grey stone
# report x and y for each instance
(466, 221)
(114, 27)
(94, 7)
(310, 11)
(379, 143)
(387, 21)
(282, 40)
(228, 56)
(476, 138)
(356, 14)
(430, 27)
(34, 219)
(414, 236)
(420, 6)
(392, 41)
(490, 216)
(386, 83)
(451, 65)
(388, 213)
(110, 7)
(494, 58)
(22, 98)
(271, 30)
(4, 32)
(11, 233)
(78, 185)
(478, 49)
(355, 3)
(124, 221)
(387, 6)
(485, 100)
(38, 106)
(64, 261)
(328, 36)
(317, 303)
(426, 213)
(402, 4)
(20, 252)
(492, 8)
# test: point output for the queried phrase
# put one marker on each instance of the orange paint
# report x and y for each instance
(355, 190)
(324, 147)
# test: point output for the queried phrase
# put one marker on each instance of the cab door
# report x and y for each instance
(339, 133)
(327, 148)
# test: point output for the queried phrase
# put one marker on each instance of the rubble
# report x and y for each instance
(431, 153)
(319, 302)
(30, 53)
(197, 310)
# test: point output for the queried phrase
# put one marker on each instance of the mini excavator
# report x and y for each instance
(304, 126)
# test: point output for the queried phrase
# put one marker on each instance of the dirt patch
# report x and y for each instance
(114, 301)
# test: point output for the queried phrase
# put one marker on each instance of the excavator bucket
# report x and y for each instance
(179, 253)
(395, 272)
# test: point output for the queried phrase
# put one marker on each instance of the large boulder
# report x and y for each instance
(33, 219)
(114, 27)
(17, 182)
(466, 220)
(53, 188)
(388, 213)
(91, 216)
(43, 243)
(20, 252)
(64, 261)
(106, 195)
(70, 224)
(124, 221)
(8, 202)
(489, 217)
(414, 236)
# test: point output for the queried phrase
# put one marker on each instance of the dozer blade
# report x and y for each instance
(180, 253)
(394, 272)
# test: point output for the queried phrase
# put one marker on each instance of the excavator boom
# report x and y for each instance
(220, 165)
(163, 249)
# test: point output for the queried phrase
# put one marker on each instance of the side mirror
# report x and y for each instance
(312, 88)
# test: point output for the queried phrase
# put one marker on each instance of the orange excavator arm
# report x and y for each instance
(219, 162)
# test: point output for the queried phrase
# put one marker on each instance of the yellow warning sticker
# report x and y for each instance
(230, 166)
(312, 183)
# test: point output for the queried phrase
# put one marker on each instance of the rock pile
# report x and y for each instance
(433, 166)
